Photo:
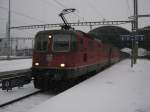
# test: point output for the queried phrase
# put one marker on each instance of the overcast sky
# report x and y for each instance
(26, 12)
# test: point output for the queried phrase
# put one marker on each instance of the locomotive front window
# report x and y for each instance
(41, 43)
(61, 42)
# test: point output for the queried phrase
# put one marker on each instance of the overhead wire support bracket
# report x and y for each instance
(94, 23)
(139, 16)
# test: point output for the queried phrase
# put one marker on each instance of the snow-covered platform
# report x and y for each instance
(11, 65)
(117, 89)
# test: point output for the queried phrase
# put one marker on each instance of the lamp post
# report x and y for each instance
(8, 31)
(135, 32)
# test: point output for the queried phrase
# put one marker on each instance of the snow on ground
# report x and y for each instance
(126, 50)
(14, 57)
(117, 89)
(10, 65)
(141, 51)
(28, 103)
(16, 93)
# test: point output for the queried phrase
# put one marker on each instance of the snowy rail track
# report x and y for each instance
(25, 104)
(19, 99)
(16, 78)
(13, 73)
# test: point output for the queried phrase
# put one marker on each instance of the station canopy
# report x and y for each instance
(146, 42)
(110, 34)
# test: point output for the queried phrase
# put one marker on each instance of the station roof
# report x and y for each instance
(146, 42)
(110, 34)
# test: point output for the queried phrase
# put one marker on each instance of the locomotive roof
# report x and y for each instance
(74, 32)
(58, 31)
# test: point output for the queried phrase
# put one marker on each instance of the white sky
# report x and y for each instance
(46, 11)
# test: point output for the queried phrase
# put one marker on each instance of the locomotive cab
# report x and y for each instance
(53, 44)
(52, 54)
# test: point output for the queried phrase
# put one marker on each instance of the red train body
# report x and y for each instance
(68, 54)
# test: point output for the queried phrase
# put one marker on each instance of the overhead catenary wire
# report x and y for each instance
(33, 18)
(48, 2)
(60, 4)
(96, 11)
(2, 33)
(128, 6)
(21, 14)
(64, 6)
(3, 19)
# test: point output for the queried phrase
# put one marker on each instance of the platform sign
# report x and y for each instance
(132, 37)
(139, 37)
(125, 37)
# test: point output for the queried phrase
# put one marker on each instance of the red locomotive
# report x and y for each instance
(68, 54)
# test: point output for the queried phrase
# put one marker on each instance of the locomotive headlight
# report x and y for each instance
(36, 64)
(50, 36)
(62, 65)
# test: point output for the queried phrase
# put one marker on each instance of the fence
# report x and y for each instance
(18, 46)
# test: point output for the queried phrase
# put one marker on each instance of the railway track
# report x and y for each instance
(26, 104)
(19, 99)
(16, 78)
(8, 74)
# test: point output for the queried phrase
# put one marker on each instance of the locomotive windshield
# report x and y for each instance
(61, 42)
(41, 43)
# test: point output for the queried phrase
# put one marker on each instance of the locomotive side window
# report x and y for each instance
(73, 43)
(61, 42)
(41, 43)
(81, 43)
(91, 44)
